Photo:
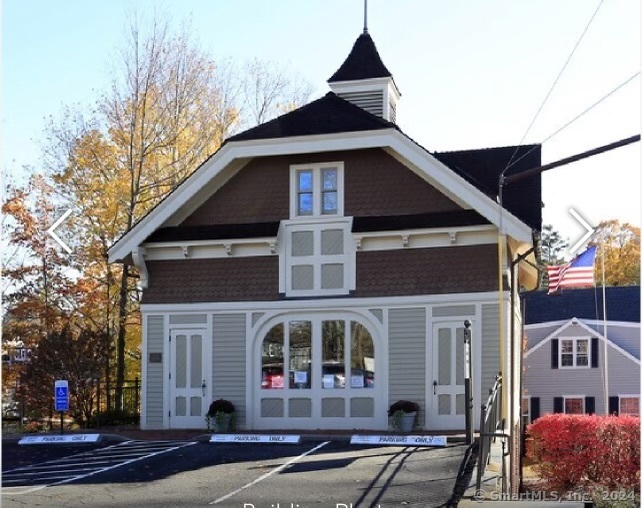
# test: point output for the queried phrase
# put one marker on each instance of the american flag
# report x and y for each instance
(577, 273)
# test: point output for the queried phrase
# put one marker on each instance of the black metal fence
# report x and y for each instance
(490, 423)
(118, 407)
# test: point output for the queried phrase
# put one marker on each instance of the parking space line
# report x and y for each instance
(93, 471)
(268, 474)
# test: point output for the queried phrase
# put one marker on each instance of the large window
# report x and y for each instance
(574, 353)
(347, 356)
(316, 190)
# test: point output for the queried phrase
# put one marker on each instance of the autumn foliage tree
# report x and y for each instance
(170, 106)
(621, 245)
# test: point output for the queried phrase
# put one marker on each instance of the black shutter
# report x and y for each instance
(534, 408)
(558, 404)
(589, 405)
(554, 353)
(595, 352)
(614, 405)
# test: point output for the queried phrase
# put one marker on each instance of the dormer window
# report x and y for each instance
(316, 190)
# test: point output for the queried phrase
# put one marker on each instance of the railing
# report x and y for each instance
(490, 428)
(129, 399)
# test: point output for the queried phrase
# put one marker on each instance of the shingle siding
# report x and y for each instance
(213, 280)
(375, 184)
(440, 270)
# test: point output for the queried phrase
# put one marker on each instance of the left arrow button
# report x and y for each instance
(50, 231)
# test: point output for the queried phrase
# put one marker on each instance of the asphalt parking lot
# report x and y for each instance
(197, 473)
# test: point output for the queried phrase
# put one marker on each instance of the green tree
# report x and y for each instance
(552, 247)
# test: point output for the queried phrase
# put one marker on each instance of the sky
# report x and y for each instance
(472, 74)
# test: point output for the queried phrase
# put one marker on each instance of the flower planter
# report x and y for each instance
(406, 422)
(222, 422)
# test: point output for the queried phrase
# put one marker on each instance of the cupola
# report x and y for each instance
(365, 81)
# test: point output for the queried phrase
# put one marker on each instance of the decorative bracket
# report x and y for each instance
(273, 246)
(357, 242)
(138, 256)
(228, 248)
(185, 251)
(404, 241)
(453, 237)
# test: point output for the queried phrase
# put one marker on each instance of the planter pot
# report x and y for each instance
(406, 421)
(222, 422)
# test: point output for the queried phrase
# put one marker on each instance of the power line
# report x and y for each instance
(574, 119)
(550, 91)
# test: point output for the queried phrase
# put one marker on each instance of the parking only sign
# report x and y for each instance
(61, 394)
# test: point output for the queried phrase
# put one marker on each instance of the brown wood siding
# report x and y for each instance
(441, 270)
(213, 280)
(375, 184)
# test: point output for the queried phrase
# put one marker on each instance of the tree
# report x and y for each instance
(169, 108)
(269, 91)
(621, 249)
(552, 246)
(65, 354)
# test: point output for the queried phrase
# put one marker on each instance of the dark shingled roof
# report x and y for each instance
(363, 62)
(622, 304)
(483, 167)
(422, 220)
(214, 232)
(328, 115)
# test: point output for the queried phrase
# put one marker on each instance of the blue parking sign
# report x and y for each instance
(61, 395)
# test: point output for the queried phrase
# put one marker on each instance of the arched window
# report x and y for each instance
(347, 355)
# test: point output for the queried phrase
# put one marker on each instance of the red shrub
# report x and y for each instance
(587, 451)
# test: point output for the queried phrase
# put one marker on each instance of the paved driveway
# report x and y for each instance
(310, 474)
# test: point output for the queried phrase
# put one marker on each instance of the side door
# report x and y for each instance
(447, 386)
(188, 379)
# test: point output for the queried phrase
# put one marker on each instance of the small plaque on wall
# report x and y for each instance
(155, 357)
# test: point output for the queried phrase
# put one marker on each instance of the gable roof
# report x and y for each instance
(591, 331)
(622, 304)
(328, 124)
(363, 62)
(328, 115)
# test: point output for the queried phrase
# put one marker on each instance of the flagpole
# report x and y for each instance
(604, 330)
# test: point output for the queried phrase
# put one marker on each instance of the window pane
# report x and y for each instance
(629, 406)
(582, 346)
(305, 204)
(567, 360)
(300, 354)
(567, 346)
(581, 361)
(329, 177)
(333, 351)
(272, 359)
(362, 359)
(330, 202)
(305, 181)
(574, 406)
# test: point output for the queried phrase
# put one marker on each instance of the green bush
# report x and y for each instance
(112, 418)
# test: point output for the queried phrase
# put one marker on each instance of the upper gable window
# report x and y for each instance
(574, 353)
(316, 190)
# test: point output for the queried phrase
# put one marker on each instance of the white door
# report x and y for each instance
(447, 388)
(188, 382)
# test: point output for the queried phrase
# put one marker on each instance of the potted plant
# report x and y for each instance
(403, 413)
(220, 415)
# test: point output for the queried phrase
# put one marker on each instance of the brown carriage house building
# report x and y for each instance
(320, 266)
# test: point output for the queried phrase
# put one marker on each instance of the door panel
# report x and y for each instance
(447, 406)
(188, 382)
